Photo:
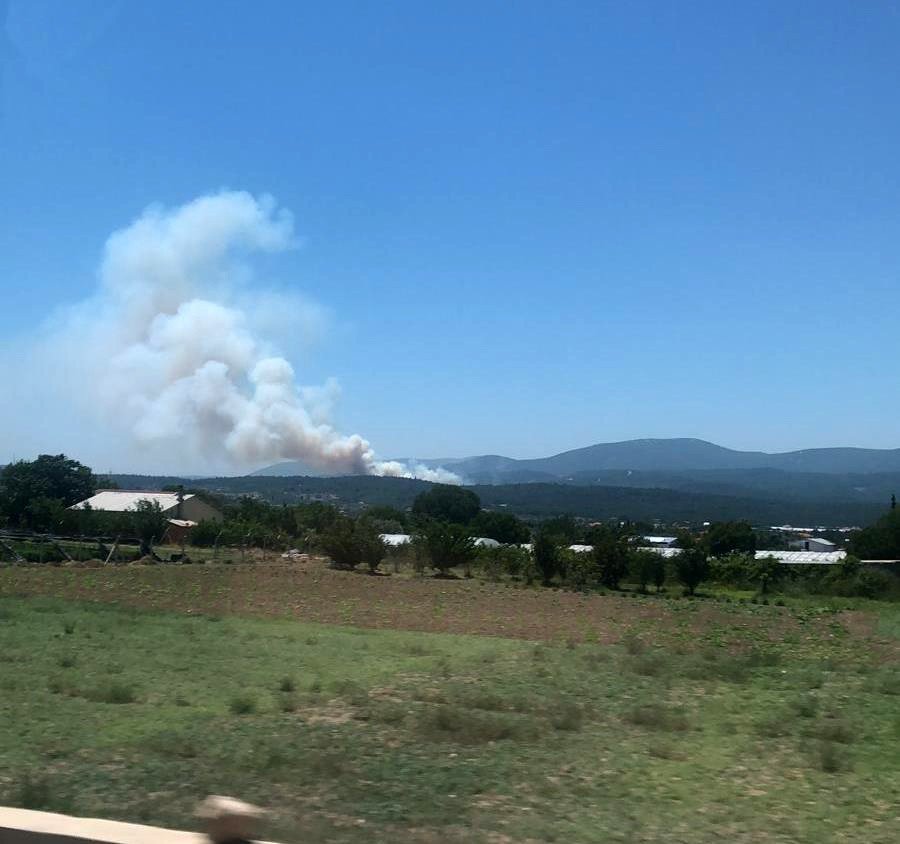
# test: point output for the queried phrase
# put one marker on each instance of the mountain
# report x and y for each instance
(687, 466)
(676, 455)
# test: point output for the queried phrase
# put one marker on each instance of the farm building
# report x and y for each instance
(659, 541)
(813, 543)
(187, 507)
(182, 511)
(395, 540)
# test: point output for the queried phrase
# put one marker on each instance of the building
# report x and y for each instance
(805, 558)
(183, 511)
(486, 542)
(187, 507)
(813, 543)
(659, 541)
(395, 540)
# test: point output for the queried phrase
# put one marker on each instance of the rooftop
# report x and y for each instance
(120, 500)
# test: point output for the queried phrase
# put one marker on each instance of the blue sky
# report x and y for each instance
(534, 225)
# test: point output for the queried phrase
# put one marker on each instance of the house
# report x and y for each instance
(659, 541)
(183, 511)
(486, 542)
(395, 540)
(805, 558)
(813, 543)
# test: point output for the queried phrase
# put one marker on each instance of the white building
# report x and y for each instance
(660, 541)
(813, 543)
(804, 558)
(395, 540)
(187, 508)
(486, 542)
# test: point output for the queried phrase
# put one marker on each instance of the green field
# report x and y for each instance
(784, 728)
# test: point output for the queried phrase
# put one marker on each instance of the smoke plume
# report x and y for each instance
(172, 349)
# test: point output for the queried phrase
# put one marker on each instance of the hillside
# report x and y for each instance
(539, 500)
(649, 455)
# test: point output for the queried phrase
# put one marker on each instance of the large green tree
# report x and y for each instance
(692, 564)
(728, 538)
(879, 541)
(504, 527)
(610, 555)
(447, 546)
(51, 477)
(447, 503)
(546, 555)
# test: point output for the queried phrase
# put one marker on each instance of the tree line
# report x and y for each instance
(443, 522)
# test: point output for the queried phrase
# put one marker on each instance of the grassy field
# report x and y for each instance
(579, 718)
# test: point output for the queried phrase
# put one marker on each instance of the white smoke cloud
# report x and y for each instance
(171, 350)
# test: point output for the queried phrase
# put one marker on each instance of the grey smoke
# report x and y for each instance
(174, 356)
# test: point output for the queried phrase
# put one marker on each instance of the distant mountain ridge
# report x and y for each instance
(650, 455)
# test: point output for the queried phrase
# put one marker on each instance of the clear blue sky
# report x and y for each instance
(535, 225)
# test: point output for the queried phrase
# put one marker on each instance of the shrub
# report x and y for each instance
(116, 693)
(580, 571)
(836, 730)
(546, 556)
(40, 793)
(831, 758)
(287, 684)
(692, 567)
(657, 717)
(452, 723)
(242, 705)
(288, 702)
(610, 555)
(447, 546)
(566, 715)
(647, 567)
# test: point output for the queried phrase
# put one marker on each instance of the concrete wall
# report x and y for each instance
(195, 509)
(22, 826)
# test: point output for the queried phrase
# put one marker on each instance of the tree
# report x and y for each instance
(447, 503)
(447, 546)
(879, 541)
(370, 546)
(563, 529)
(610, 555)
(504, 527)
(766, 571)
(51, 476)
(546, 556)
(692, 568)
(149, 523)
(729, 537)
(647, 567)
(338, 541)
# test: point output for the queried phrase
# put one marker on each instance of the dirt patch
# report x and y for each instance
(314, 593)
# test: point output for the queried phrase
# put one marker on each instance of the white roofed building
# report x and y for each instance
(182, 508)
(395, 540)
(813, 543)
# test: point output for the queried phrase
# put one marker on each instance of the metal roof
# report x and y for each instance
(120, 500)
(395, 538)
(819, 558)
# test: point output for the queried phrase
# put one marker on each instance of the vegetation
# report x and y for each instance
(447, 546)
(724, 538)
(349, 542)
(539, 501)
(683, 727)
(692, 564)
(35, 493)
(446, 503)
(880, 541)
